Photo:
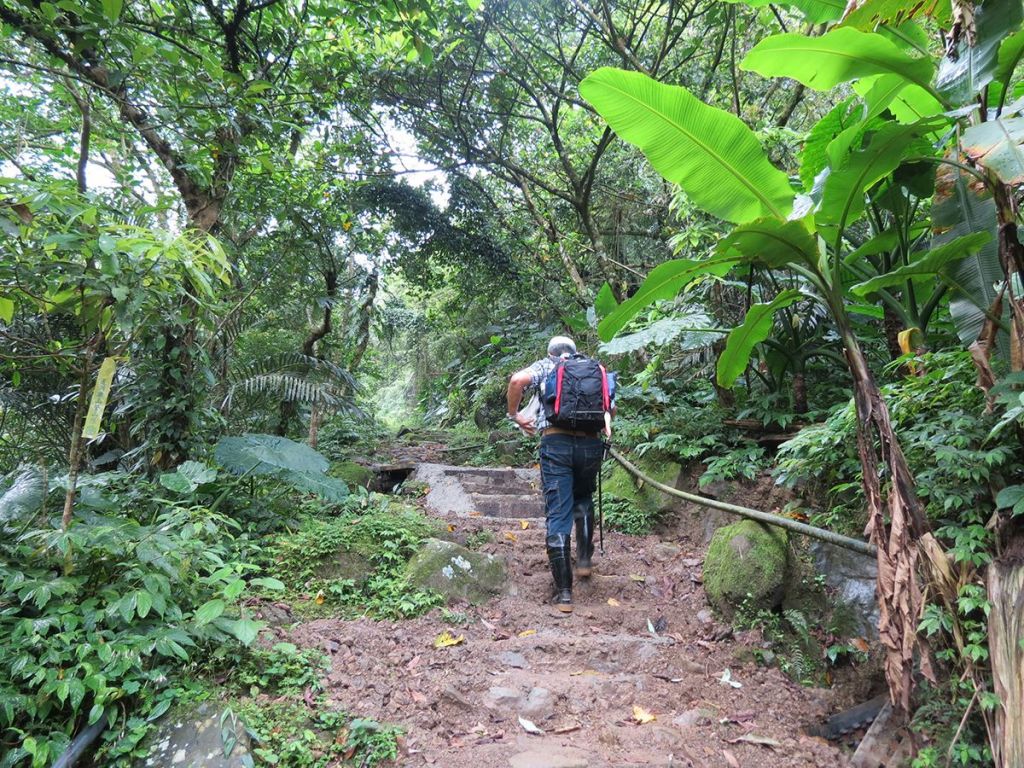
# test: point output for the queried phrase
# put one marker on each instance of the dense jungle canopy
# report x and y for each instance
(246, 241)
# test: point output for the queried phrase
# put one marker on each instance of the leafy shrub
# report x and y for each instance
(98, 619)
(280, 670)
(944, 431)
(385, 534)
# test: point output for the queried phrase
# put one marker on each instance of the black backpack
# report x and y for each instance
(578, 393)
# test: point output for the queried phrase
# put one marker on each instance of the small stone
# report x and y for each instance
(538, 704)
(705, 616)
(693, 717)
(513, 659)
(452, 696)
(502, 698)
(664, 551)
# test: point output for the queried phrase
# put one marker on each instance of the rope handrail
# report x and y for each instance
(768, 518)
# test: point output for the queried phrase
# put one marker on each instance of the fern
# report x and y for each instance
(297, 378)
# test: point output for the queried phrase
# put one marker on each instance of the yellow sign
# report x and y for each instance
(100, 394)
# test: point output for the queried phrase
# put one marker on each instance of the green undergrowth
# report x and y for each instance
(810, 634)
(275, 687)
(354, 563)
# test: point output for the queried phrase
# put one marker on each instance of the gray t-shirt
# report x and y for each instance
(539, 372)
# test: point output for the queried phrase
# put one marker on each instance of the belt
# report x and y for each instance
(560, 431)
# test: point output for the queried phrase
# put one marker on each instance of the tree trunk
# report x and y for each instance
(799, 393)
(899, 595)
(1005, 582)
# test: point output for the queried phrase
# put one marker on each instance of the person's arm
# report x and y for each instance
(514, 396)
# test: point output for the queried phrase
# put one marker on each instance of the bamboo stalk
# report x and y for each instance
(767, 518)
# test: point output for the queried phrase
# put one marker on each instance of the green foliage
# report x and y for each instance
(710, 153)
(281, 670)
(383, 536)
(295, 464)
(102, 616)
(295, 736)
(945, 435)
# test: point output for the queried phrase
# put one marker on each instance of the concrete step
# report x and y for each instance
(508, 505)
(502, 484)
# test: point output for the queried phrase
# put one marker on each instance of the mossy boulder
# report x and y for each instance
(353, 473)
(747, 561)
(618, 483)
(456, 572)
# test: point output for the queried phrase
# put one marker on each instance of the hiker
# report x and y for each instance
(570, 458)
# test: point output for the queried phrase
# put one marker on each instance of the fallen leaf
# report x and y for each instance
(637, 577)
(446, 639)
(319, 599)
(474, 514)
(860, 644)
(451, 527)
(511, 536)
(529, 727)
(641, 715)
(527, 632)
(753, 738)
(613, 602)
(726, 679)
(650, 628)
(584, 672)
(730, 758)
(524, 524)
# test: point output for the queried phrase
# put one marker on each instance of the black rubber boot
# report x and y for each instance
(583, 513)
(561, 570)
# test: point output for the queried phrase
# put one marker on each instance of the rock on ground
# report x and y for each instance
(456, 572)
(194, 739)
(746, 561)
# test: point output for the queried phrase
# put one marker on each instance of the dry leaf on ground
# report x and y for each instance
(753, 738)
(613, 602)
(511, 536)
(730, 758)
(641, 715)
(524, 524)
(529, 727)
(446, 639)
(527, 632)
(637, 577)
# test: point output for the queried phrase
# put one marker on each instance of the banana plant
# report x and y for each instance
(719, 164)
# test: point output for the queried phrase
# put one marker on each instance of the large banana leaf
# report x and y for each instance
(814, 158)
(691, 330)
(843, 198)
(962, 77)
(908, 102)
(839, 56)
(772, 242)
(711, 154)
(999, 146)
(959, 210)
(663, 282)
(295, 464)
(929, 263)
(756, 327)
(815, 11)
(1011, 50)
(872, 13)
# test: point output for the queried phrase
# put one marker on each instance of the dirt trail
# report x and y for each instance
(641, 636)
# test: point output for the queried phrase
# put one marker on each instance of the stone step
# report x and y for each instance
(499, 484)
(508, 505)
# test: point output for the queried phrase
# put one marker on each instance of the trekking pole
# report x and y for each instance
(600, 496)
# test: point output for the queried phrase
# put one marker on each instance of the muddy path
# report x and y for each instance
(641, 642)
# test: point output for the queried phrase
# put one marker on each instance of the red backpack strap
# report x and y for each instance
(559, 372)
(605, 396)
